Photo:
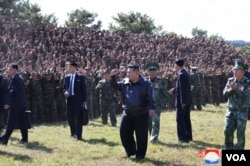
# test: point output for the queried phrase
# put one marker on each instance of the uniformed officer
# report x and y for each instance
(161, 98)
(36, 98)
(107, 97)
(196, 88)
(237, 90)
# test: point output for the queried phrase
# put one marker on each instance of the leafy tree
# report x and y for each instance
(50, 19)
(135, 23)
(23, 9)
(30, 12)
(82, 18)
(216, 37)
(159, 31)
(200, 33)
(7, 7)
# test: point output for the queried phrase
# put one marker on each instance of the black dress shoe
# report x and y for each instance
(139, 158)
(77, 138)
(127, 155)
(23, 141)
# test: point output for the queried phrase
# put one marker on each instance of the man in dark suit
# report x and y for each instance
(17, 106)
(183, 100)
(75, 92)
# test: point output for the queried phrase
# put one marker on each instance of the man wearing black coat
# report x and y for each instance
(76, 94)
(137, 105)
(183, 101)
(17, 106)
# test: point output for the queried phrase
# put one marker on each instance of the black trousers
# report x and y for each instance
(16, 117)
(75, 117)
(139, 125)
(184, 127)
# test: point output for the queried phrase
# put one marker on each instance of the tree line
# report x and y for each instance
(133, 22)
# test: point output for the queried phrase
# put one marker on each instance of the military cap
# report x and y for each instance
(179, 62)
(152, 66)
(240, 65)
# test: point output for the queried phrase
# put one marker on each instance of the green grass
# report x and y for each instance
(51, 145)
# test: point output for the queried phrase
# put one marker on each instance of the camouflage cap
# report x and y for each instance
(152, 66)
(240, 65)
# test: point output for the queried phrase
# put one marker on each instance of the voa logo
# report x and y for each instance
(236, 157)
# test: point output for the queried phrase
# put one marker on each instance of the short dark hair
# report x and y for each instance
(179, 62)
(14, 66)
(133, 66)
(73, 64)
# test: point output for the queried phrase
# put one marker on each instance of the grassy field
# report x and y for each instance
(51, 144)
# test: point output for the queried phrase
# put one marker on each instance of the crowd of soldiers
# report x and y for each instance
(41, 52)
(45, 97)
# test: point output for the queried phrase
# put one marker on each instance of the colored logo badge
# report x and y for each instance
(212, 156)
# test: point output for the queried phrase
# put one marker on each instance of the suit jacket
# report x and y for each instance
(183, 89)
(17, 93)
(80, 91)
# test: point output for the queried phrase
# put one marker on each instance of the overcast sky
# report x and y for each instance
(227, 18)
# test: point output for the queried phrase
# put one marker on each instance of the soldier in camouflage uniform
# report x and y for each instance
(122, 74)
(96, 104)
(48, 89)
(90, 82)
(215, 88)
(161, 98)
(59, 97)
(108, 97)
(36, 98)
(237, 90)
(196, 87)
(207, 85)
(171, 79)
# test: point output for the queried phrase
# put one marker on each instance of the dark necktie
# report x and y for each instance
(71, 85)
